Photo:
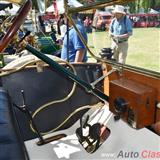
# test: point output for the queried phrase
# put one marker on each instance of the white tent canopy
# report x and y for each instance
(12, 11)
(41, 5)
(60, 5)
(153, 11)
(2, 13)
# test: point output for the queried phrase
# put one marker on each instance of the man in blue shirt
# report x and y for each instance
(77, 51)
(120, 30)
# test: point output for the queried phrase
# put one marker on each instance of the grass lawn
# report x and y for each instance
(144, 47)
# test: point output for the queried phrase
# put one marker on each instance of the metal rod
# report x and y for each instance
(25, 110)
(83, 40)
(67, 73)
(97, 5)
(67, 34)
(102, 77)
(67, 40)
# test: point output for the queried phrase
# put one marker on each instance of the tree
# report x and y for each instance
(144, 4)
(34, 3)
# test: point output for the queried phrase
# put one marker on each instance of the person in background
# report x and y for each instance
(87, 23)
(53, 33)
(41, 24)
(62, 27)
(120, 30)
(77, 51)
(20, 33)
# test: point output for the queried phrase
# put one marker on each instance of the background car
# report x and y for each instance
(103, 20)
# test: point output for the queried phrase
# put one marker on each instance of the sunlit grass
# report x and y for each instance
(144, 47)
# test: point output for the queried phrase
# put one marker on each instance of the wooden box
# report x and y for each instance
(133, 102)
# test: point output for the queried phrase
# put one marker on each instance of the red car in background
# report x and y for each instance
(145, 19)
(103, 20)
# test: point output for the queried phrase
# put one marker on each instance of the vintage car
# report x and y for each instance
(103, 20)
(118, 105)
(145, 19)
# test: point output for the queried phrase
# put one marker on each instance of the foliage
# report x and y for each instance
(34, 3)
(138, 5)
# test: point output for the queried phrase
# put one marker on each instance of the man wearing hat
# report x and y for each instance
(120, 30)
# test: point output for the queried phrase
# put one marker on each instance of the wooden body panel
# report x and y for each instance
(150, 81)
(140, 102)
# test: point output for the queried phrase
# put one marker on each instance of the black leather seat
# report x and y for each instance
(11, 144)
(43, 87)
